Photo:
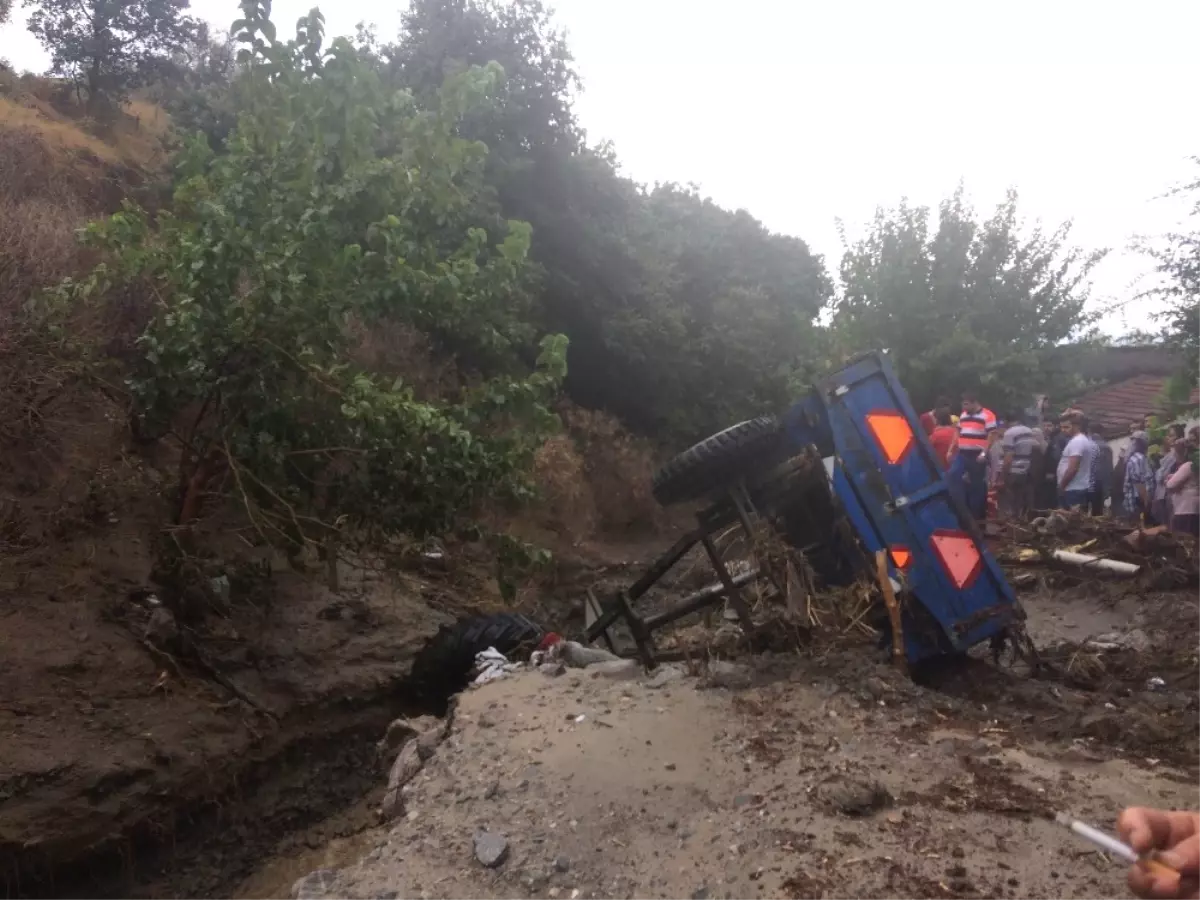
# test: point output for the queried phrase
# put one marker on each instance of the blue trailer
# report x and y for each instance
(884, 499)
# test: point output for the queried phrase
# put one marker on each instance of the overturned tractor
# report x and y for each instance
(849, 482)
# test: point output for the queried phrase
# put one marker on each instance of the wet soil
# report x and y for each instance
(827, 773)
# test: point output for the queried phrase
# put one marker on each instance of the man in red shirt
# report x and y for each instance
(944, 437)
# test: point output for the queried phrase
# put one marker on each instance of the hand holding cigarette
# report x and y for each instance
(1174, 840)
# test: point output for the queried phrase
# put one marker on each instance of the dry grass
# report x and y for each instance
(395, 349)
(39, 248)
(618, 468)
(136, 140)
(567, 503)
(55, 174)
(58, 133)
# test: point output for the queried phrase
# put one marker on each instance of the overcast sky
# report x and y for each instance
(805, 112)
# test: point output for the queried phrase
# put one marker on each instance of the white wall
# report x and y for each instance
(1119, 445)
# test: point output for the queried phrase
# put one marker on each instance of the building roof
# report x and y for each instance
(1118, 405)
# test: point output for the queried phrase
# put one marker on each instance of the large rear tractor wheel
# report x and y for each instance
(719, 461)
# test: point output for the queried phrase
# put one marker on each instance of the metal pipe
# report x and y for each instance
(697, 601)
(1084, 559)
(731, 589)
(662, 565)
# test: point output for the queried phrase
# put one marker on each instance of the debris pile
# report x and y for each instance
(1099, 547)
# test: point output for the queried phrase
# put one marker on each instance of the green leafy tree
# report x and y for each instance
(681, 315)
(721, 325)
(336, 201)
(199, 91)
(963, 303)
(1178, 263)
(109, 47)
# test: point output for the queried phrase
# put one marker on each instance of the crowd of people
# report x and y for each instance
(1012, 466)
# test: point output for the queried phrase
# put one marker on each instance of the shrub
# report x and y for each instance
(338, 206)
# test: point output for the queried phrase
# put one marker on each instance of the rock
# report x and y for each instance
(490, 849)
(617, 670)
(492, 791)
(664, 676)
(562, 864)
(401, 731)
(317, 884)
(855, 798)
(1137, 640)
(161, 629)
(700, 893)
(392, 806)
(577, 656)
(427, 742)
(727, 675)
(220, 588)
(406, 766)
(743, 800)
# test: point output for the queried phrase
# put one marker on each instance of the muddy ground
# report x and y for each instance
(127, 772)
(814, 774)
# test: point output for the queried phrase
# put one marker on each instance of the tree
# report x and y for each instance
(967, 304)
(199, 94)
(109, 47)
(721, 322)
(1178, 262)
(336, 202)
(681, 315)
(5, 10)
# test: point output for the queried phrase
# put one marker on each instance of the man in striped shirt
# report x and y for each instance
(968, 471)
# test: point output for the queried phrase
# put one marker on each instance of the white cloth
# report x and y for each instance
(492, 664)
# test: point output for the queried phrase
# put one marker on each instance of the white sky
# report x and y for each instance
(804, 112)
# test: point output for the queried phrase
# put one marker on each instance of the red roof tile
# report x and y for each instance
(1118, 405)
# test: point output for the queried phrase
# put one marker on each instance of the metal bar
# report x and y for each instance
(663, 564)
(745, 508)
(695, 602)
(607, 618)
(735, 596)
(641, 635)
(741, 500)
(592, 612)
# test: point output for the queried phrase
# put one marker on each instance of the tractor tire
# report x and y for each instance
(443, 666)
(719, 461)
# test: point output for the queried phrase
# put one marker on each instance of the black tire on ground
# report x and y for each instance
(719, 461)
(443, 666)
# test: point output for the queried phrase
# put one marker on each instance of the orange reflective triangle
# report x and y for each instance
(893, 433)
(959, 555)
(901, 557)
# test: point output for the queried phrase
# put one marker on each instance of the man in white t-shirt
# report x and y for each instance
(1075, 467)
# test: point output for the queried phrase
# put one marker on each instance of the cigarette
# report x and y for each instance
(1099, 838)
(1114, 846)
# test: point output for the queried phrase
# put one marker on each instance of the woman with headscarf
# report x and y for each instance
(1172, 459)
(1184, 486)
(1139, 481)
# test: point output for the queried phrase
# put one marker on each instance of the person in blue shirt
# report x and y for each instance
(1139, 481)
